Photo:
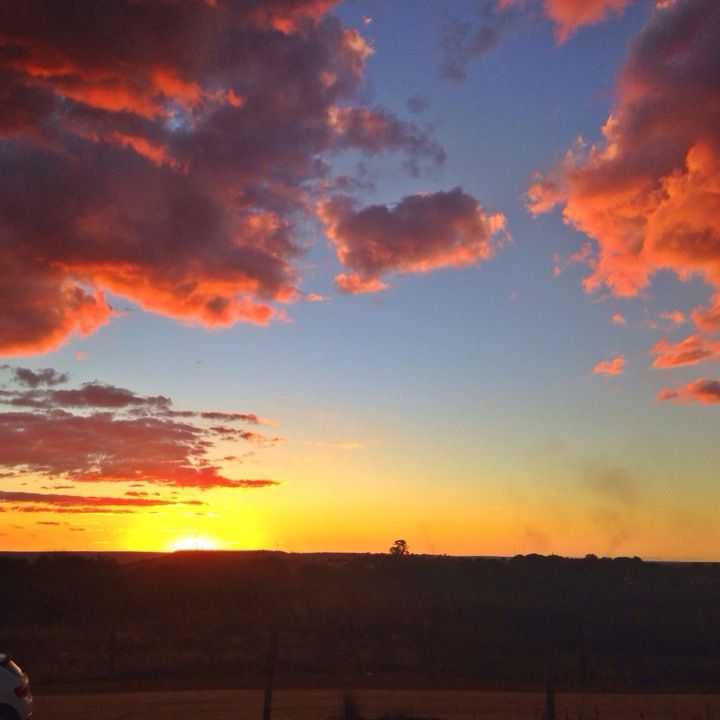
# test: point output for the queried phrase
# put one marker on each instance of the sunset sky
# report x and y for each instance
(317, 275)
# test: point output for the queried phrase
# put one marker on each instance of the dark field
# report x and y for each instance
(324, 704)
(209, 621)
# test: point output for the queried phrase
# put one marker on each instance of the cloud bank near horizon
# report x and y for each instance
(102, 433)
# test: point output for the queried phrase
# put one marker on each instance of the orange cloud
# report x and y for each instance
(649, 192)
(674, 317)
(44, 307)
(610, 367)
(569, 15)
(703, 391)
(286, 15)
(352, 284)
(690, 351)
(421, 233)
(619, 319)
(171, 175)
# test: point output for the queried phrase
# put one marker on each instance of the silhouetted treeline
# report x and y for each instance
(372, 620)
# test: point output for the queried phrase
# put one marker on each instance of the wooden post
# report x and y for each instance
(550, 709)
(270, 673)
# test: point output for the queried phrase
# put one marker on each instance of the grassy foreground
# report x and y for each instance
(325, 705)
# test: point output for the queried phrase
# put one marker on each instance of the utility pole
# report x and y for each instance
(550, 710)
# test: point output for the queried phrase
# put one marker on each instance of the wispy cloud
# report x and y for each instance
(237, 417)
(100, 432)
(610, 367)
(36, 378)
(690, 351)
(703, 390)
(337, 445)
(463, 40)
(560, 264)
(674, 317)
(83, 502)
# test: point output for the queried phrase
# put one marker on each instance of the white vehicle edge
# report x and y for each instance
(15, 698)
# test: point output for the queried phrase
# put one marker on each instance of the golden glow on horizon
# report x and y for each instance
(363, 526)
(313, 512)
(229, 525)
(194, 542)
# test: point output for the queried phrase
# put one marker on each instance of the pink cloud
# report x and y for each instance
(569, 15)
(560, 264)
(703, 391)
(103, 433)
(690, 351)
(619, 319)
(648, 193)
(666, 321)
(421, 233)
(170, 175)
(354, 285)
(674, 317)
(610, 367)
(102, 447)
(235, 417)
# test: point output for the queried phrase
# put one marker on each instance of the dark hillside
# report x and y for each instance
(362, 620)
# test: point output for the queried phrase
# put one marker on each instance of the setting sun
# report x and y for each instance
(194, 542)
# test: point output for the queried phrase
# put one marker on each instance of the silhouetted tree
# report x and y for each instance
(400, 547)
